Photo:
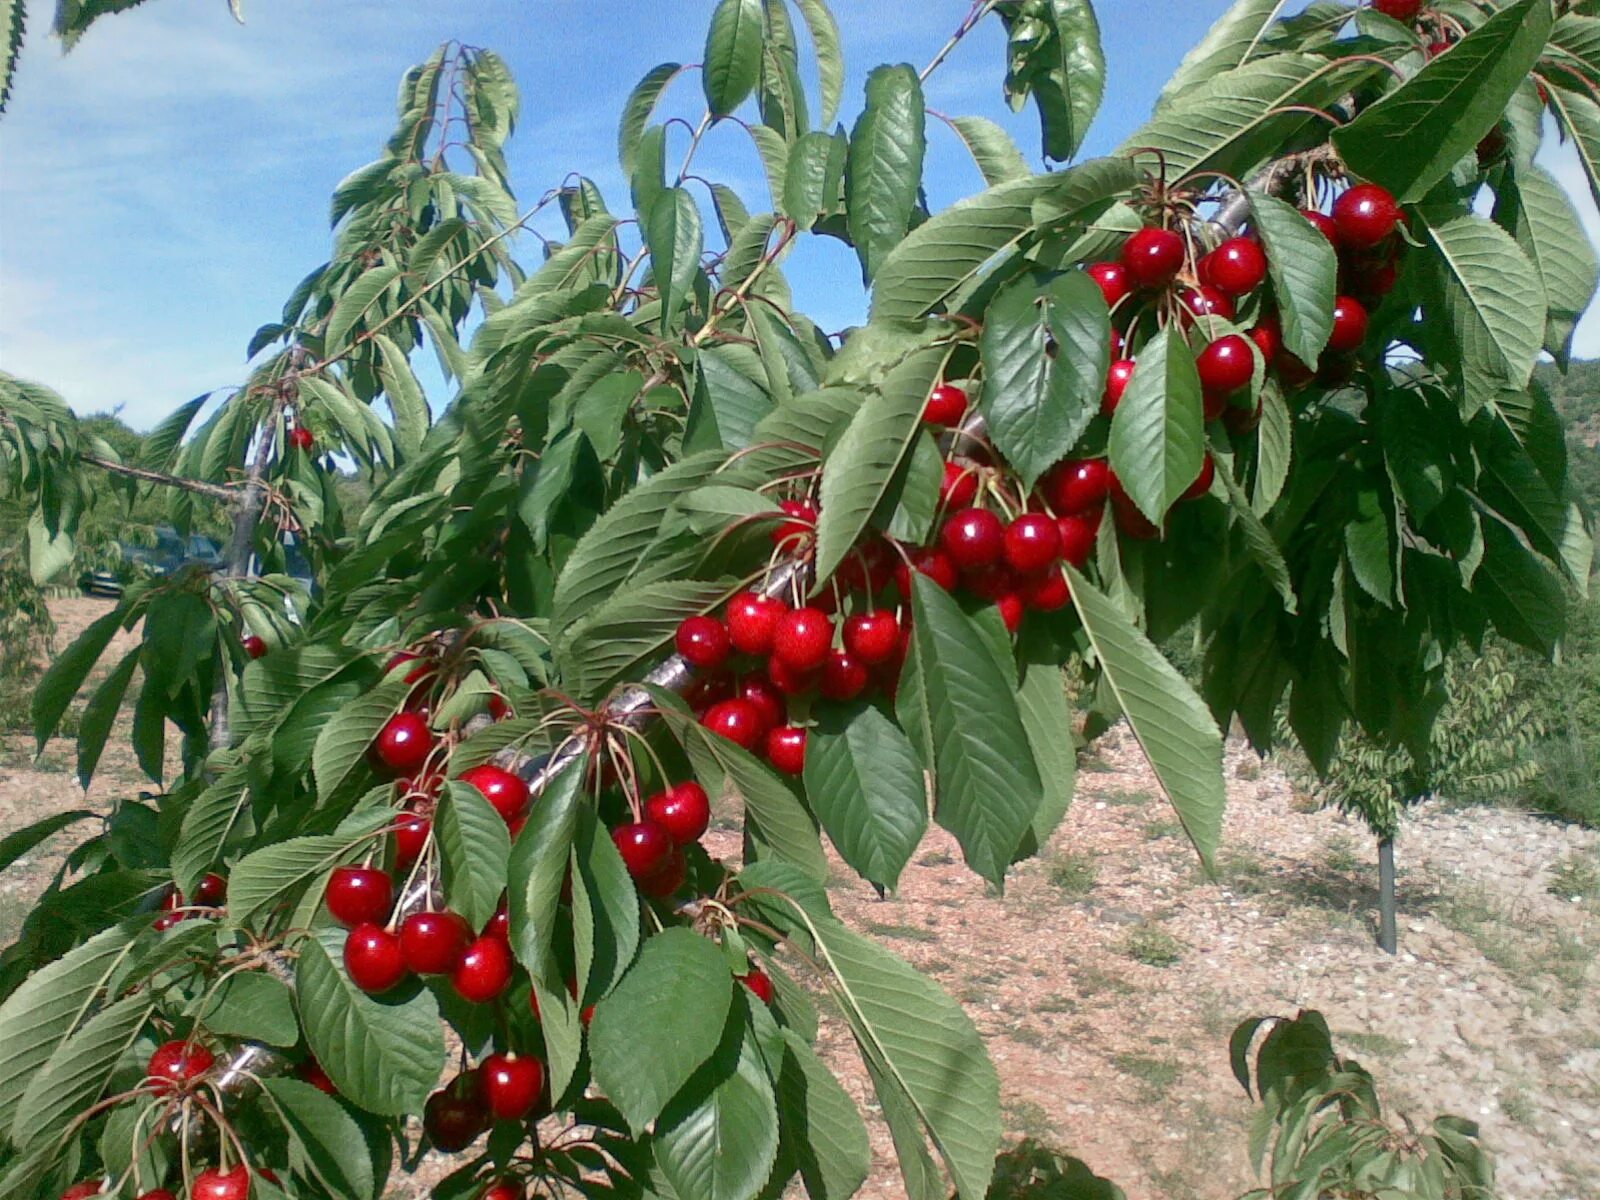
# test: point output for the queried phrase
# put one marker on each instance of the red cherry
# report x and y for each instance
(1365, 215)
(1226, 365)
(453, 1120)
(176, 1063)
(759, 983)
(504, 1189)
(82, 1191)
(989, 583)
(1011, 608)
(1268, 337)
(751, 621)
(510, 1085)
(254, 646)
(410, 838)
(1130, 520)
(1323, 224)
(1117, 380)
(1153, 257)
(947, 404)
(1047, 592)
(216, 1184)
(1240, 420)
(1032, 543)
(644, 846)
(959, 486)
(1202, 481)
(499, 710)
(1205, 301)
(1115, 284)
(931, 562)
(786, 749)
(1374, 279)
(767, 697)
(802, 638)
(211, 891)
(737, 720)
(155, 1194)
(1078, 485)
(1077, 532)
(874, 636)
(373, 957)
(499, 924)
(403, 744)
(359, 895)
(302, 438)
(790, 534)
(311, 1071)
(164, 923)
(844, 676)
(484, 970)
(1349, 325)
(973, 537)
(1400, 10)
(506, 793)
(703, 693)
(433, 942)
(703, 642)
(789, 681)
(1236, 267)
(683, 810)
(659, 884)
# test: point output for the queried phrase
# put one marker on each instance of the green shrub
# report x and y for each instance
(26, 631)
(1567, 695)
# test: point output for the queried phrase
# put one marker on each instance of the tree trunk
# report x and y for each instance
(1388, 938)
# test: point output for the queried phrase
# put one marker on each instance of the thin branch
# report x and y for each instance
(199, 486)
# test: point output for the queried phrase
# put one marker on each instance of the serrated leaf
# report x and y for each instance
(78, 1070)
(1580, 118)
(732, 55)
(474, 846)
(1047, 719)
(986, 782)
(332, 1142)
(1157, 441)
(636, 112)
(383, 1053)
(60, 683)
(354, 304)
(830, 60)
(726, 407)
(818, 1117)
(1064, 71)
(99, 714)
(407, 405)
(1523, 597)
(865, 784)
(811, 181)
(1274, 448)
(991, 147)
(1172, 723)
(674, 235)
(661, 1022)
(344, 741)
(1258, 540)
(254, 1006)
(17, 843)
(1535, 210)
(1304, 271)
(633, 629)
(270, 875)
(1410, 139)
(883, 170)
(1234, 37)
(605, 909)
(538, 867)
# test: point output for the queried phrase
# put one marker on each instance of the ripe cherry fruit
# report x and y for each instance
(929, 561)
(302, 438)
(403, 744)
(1032, 543)
(433, 942)
(1202, 481)
(703, 642)
(506, 793)
(254, 646)
(373, 957)
(802, 638)
(1205, 301)
(683, 810)
(788, 681)
(1047, 592)
(484, 970)
(216, 1184)
(873, 637)
(1115, 284)
(1077, 532)
(454, 1116)
(973, 538)
(211, 891)
(947, 404)
(786, 749)
(1153, 257)
(311, 1071)
(410, 838)
(504, 1189)
(1268, 337)
(1236, 267)
(1226, 365)
(844, 676)
(661, 883)
(1365, 215)
(1078, 485)
(1349, 325)
(739, 721)
(510, 1085)
(82, 1191)
(959, 487)
(156, 1194)
(177, 1063)
(1400, 10)
(1117, 380)
(752, 618)
(759, 983)
(359, 895)
(767, 698)
(644, 846)
(1323, 224)
(1011, 608)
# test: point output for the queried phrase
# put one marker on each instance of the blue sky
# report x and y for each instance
(163, 187)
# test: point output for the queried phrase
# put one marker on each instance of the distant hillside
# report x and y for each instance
(1577, 399)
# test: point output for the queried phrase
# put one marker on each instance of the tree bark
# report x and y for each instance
(1388, 937)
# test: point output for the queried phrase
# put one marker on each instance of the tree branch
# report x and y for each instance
(200, 487)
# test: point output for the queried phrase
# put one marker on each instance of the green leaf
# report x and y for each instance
(1534, 209)
(1369, 546)
(78, 1070)
(48, 1006)
(344, 741)
(1047, 718)
(631, 630)
(636, 112)
(253, 1006)
(1580, 118)
(270, 875)
(100, 714)
(676, 240)
(474, 846)
(945, 254)
(1409, 140)
(14, 845)
(332, 1142)
(13, 18)
(866, 785)
(992, 149)
(539, 863)
(820, 1120)
(1524, 598)
(727, 405)
(1158, 431)
(883, 171)
(1045, 355)
(862, 464)
(811, 183)
(605, 909)
(1235, 37)
(1494, 300)
(987, 783)
(1304, 271)
(1258, 540)
(1065, 72)
(407, 404)
(1176, 731)
(830, 60)
(209, 823)
(1274, 448)
(717, 1140)
(66, 675)
(733, 55)
(384, 1053)
(662, 1021)
(354, 304)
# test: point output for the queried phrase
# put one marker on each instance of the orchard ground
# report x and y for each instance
(1112, 969)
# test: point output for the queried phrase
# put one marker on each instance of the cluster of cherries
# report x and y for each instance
(209, 895)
